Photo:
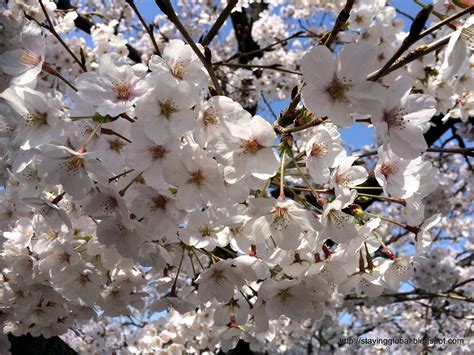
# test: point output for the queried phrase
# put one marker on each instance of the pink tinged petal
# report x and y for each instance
(11, 64)
(397, 94)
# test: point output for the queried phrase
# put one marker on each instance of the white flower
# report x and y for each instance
(211, 118)
(399, 177)
(337, 225)
(168, 109)
(203, 231)
(400, 269)
(398, 120)
(286, 297)
(125, 235)
(39, 115)
(337, 87)
(346, 175)
(105, 202)
(179, 59)
(455, 54)
(248, 150)
(114, 88)
(78, 284)
(25, 63)
(423, 237)
(158, 210)
(197, 178)
(283, 221)
(219, 281)
(148, 155)
(323, 151)
(75, 171)
(48, 212)
(364, 284)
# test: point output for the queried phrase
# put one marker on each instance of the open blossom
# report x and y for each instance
(197, 178)
(75, 171)
(323, 151)
(179, 60)
(211, 117)
(204, 231)
(337, 87)
(248, 149)
(347, 175)
(399, 177)
(338, 225)
(25, 63)
(39, 115)
(399, 119)
(423, 238)
(114, 88)
(282, 220)
(168, 108)
(219, 281)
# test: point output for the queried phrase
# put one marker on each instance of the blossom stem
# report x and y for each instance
(122, 192)
(197, 259)
(120, 175)
(384, 198)
(58, 37)
(173, 287)
(302, 174)
(86, 143)
(282, 177)
(50, 70)
(367, 187)
(148, 28)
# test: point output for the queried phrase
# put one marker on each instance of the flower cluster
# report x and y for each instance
(156, 186)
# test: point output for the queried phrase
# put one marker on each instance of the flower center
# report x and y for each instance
(319, 150)
(168, 108)
(116, 144)
(122, 90)
(74, 164)
(178, 69)
(159, 202)
(250, 146)
(394, 117)
(388, 169)
(209, 117)
(205, 231)
(157, 151)
(30, 58)
(281, 219)
(337, 90)
(36, 119)
(198, 178)
(83, 280)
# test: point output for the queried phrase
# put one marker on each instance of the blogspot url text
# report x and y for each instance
(400, 341)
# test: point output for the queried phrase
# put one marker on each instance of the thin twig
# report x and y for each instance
(410, 57)
(257, 66)
(219, 22)
(55, 34)
(447, 20)
(340, 21)
(260, 50)
(147, 27)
